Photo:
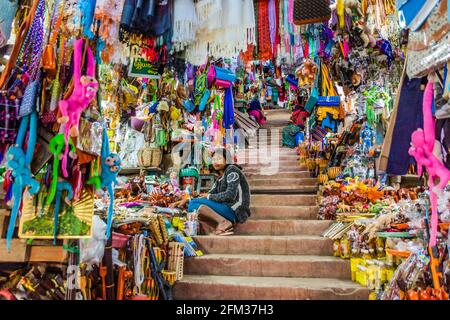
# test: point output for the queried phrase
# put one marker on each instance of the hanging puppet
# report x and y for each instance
(110, 168)
(84, 91)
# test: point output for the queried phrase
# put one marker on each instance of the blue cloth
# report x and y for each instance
(409, 118)
(228, 112)
(222, 209)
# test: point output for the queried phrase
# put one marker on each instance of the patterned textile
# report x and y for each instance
(265, 48)
(9, 122)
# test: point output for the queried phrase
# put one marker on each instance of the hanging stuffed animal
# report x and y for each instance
(423, 150)
(19, 164)
(84, 91)
(61, 186)
(56, 147)
(110, 166)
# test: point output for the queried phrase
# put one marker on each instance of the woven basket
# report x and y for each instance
(311, 163)
(323, 178)
(334, 172)
(176, 259)
(149, 157)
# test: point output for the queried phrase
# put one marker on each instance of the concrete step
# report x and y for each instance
(290, 245)
(282, 182)
(279, 175)
(201, 287)
(285, 190)
(283, 200)
(282, 227)
(268, 266)
(272, 168)
(284, 212)
(264, 158)
(269, 162)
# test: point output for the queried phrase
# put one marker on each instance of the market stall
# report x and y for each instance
(110, 113)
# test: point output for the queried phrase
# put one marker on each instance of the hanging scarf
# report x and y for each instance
(228, 112)
(265, 50)
(272, 23)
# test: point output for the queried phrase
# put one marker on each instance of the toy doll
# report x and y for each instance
(84, 91)
(423, 150)
(110, 166)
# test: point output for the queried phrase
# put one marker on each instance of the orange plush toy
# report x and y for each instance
(306, 73)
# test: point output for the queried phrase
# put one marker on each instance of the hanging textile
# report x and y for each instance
(265, 49)
(185, 24)
(228, 112)
(224, 29)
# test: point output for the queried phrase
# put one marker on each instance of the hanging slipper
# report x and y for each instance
(204, 100)
(188, 105)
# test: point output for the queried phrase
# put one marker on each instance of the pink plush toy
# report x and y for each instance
(422, 149)
(84, 91)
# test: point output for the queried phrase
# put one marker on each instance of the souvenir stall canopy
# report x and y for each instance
(110, 111)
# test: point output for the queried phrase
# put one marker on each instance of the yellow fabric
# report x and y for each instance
(322, 112)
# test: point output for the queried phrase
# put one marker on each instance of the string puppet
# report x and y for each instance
(110, 167)
(84, 91)
(423, 149)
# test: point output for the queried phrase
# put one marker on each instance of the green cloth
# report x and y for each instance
(289, 134)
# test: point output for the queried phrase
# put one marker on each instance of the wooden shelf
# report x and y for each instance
(18, 251)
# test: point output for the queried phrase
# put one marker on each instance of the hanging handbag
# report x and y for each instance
(224, 74)
(28, 104)
(329, 96)
(307, 11)
(429, 46)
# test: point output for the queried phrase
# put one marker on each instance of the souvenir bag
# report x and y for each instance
(91, 130)
(49, 56)
(429, 46)
(21, 69)
(329, 96)
(307, 11)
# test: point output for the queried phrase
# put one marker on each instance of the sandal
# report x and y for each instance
(228, 232)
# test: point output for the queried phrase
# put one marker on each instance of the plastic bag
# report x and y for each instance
(92, 250)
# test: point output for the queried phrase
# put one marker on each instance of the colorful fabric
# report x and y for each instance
(265, 48)
(289, 134)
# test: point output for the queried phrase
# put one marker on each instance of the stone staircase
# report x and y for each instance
(278, 253)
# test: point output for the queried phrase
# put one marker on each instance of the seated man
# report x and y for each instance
(227, 202)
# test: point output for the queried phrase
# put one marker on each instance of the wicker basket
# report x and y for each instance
(149, 157)
(334, 172)
(323, 178)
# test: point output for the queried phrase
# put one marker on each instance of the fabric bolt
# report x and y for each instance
(409, 118)
(220, 208)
